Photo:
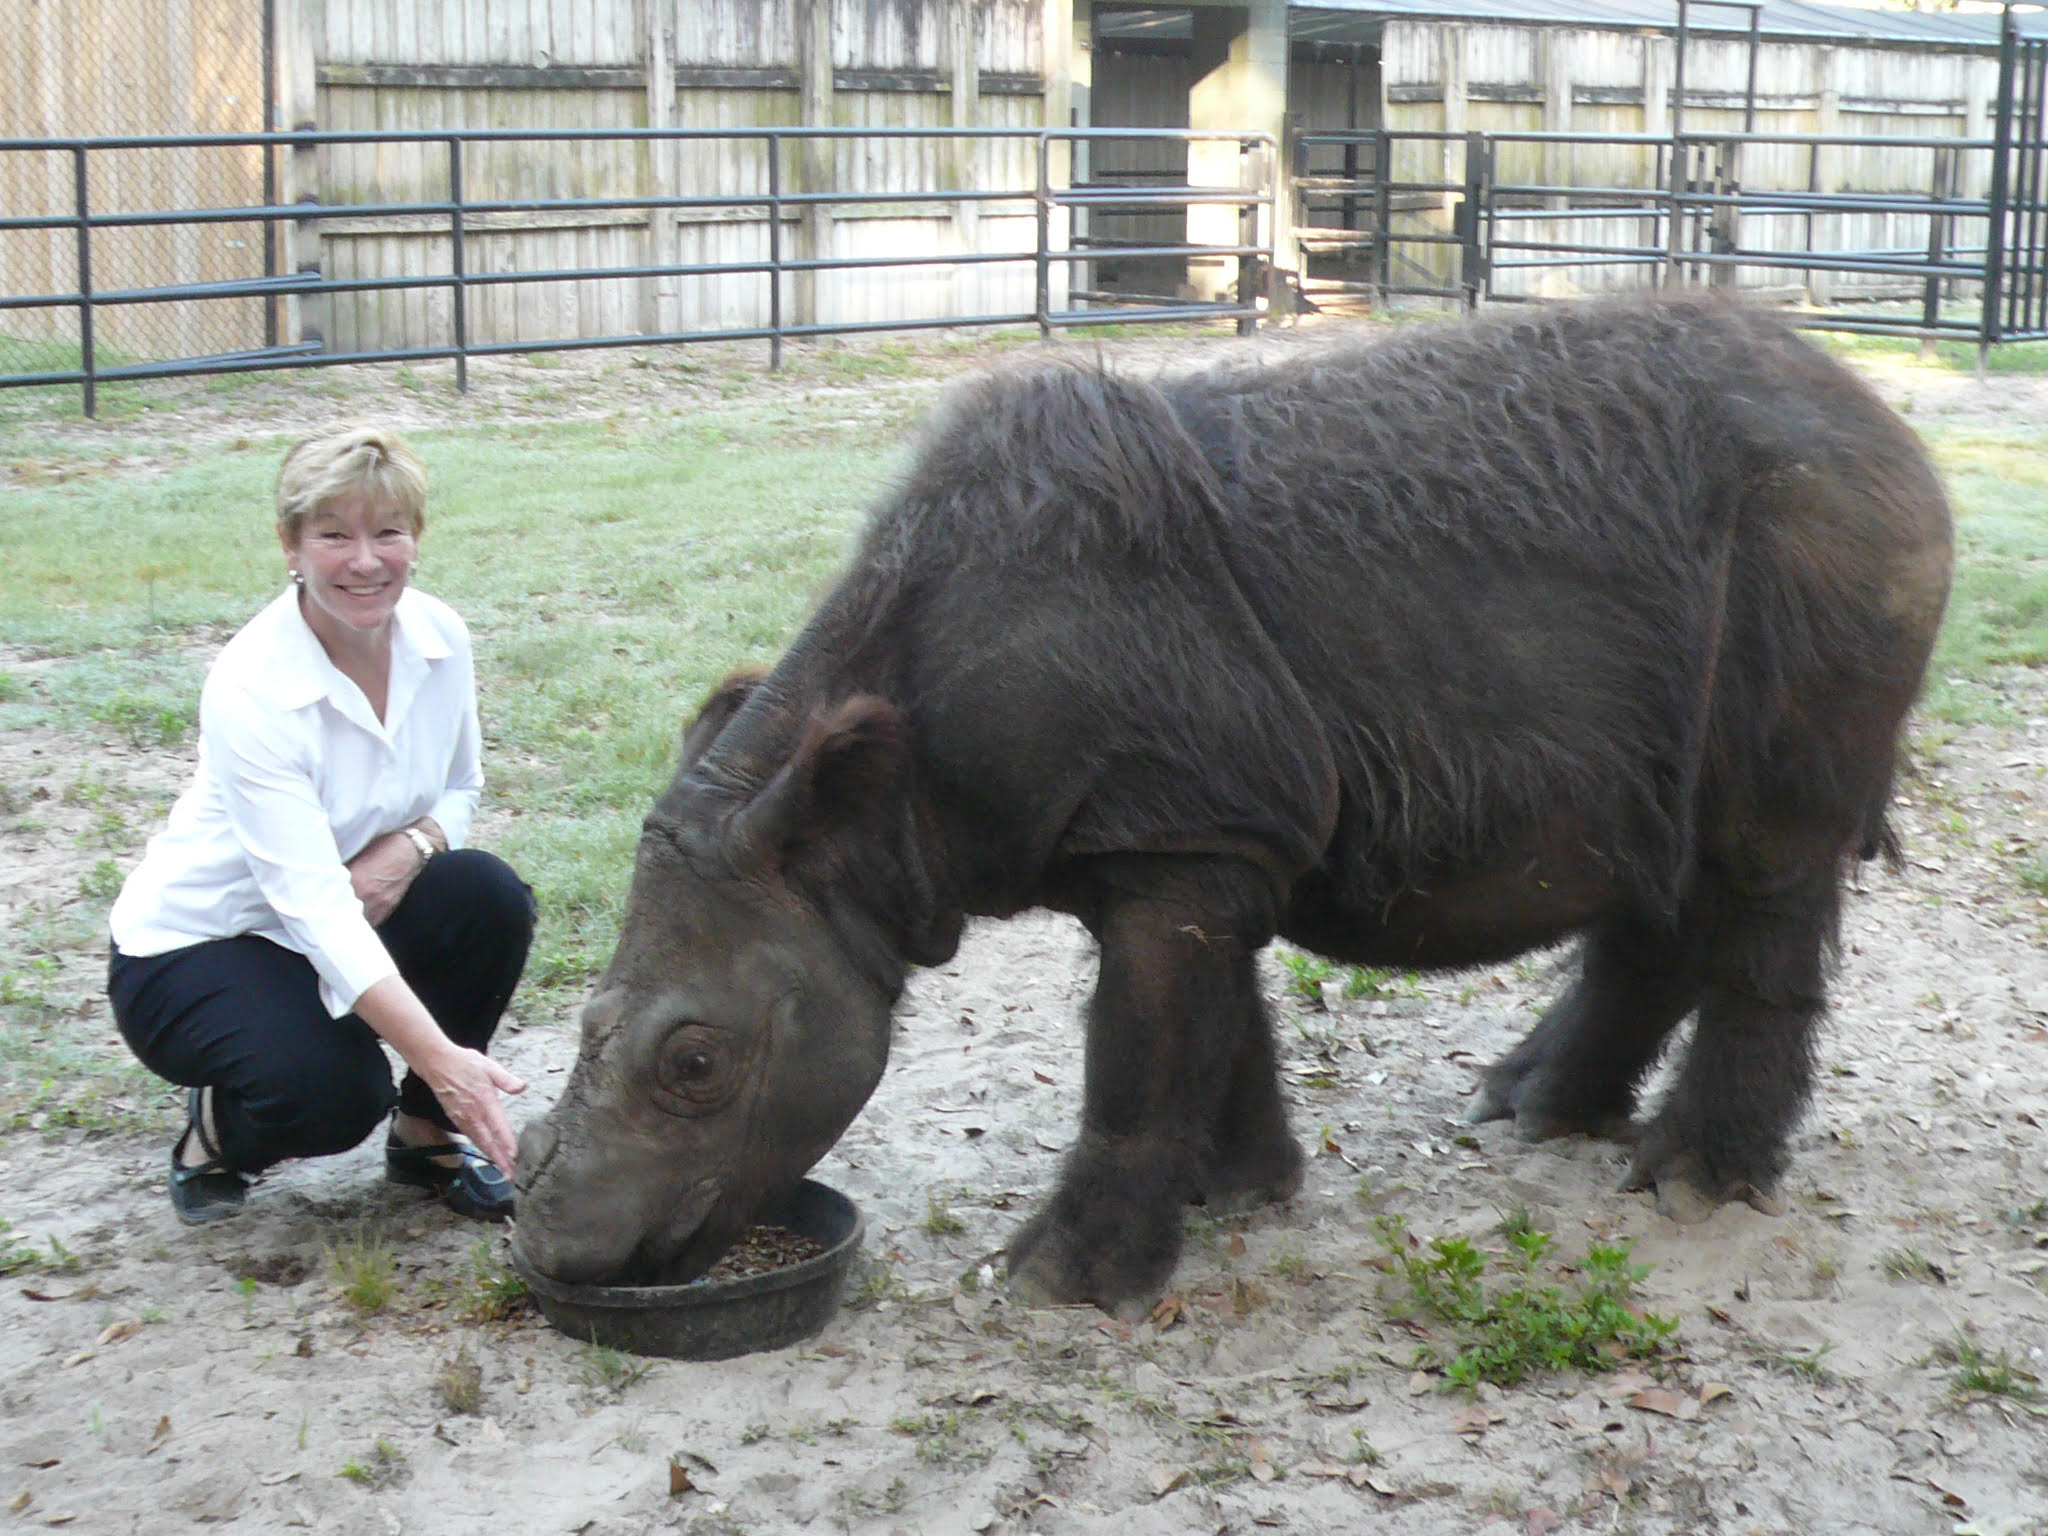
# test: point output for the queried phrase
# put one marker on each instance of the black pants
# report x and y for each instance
(244, 1015)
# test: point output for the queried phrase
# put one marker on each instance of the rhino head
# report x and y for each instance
(744, 1017)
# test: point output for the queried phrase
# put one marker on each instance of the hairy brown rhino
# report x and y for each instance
(1596, 620)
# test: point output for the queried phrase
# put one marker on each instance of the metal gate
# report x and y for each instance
(2016, 263)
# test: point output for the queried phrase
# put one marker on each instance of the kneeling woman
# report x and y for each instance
(304, 902)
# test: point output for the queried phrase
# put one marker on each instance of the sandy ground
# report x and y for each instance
(154, 1377)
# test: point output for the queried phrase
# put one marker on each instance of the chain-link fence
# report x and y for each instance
(115, 68)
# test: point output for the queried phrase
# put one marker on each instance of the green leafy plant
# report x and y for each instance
(1305, 974)
(1520, 1326)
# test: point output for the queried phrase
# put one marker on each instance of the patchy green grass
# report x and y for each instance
(1998, 612)
(1518, 1325)
(610, 576)
(2017, 357)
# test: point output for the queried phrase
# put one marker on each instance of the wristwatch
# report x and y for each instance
(421, 841)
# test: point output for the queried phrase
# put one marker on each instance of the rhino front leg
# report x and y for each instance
(1168, 1053)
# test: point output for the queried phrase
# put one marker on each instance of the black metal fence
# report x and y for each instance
(1939, 261)
(1061, 210)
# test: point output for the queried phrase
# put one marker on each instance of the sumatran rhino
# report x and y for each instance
(1597, 620)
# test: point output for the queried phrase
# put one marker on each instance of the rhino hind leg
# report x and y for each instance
(1577, 1071)
(1181, 1098)
(1721, 1132)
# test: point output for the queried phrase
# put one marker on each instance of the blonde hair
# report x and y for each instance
(350, 461)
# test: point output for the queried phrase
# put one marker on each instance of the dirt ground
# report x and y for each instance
(154, 1377)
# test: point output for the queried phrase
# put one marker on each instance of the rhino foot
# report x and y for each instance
(1110, 1234)
(1523, 1092)
(1686, 1191)
(1269, 1175)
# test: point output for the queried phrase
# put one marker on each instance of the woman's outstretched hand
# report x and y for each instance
(468, 1084)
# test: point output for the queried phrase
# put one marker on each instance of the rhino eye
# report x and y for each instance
(692, 1068)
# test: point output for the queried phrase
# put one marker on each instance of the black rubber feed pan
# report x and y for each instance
(717, 1319)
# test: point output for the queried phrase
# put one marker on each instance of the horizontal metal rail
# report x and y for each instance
(458, 220)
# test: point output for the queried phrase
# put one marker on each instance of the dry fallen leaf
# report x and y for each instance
(1260, 1457)
(272, 1479)
(1540, 1522)
(80, 1358)
(1470, 1421)
(1322, 1469)
(20, 1501)
(1166, 1479)
(1714, 1391)
(1360, 1477)
(679, 1479)
(1418, 1384)
(1235, 1247)
(1662, 1400)
(1171, 1308)
(114, 1333)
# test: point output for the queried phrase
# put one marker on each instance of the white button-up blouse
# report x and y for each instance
(297, 775)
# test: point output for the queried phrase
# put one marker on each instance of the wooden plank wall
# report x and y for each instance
(1504, 78)
(730, 64)
(115, 68)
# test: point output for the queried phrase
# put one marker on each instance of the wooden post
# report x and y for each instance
(966, 106)
(1657, 69)
(298, 168)
(1451, 56)
(814, 46)
(1554, 69)
(1824, 169)
(661, 309)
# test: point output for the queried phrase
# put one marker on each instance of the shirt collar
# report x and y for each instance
(297, 671)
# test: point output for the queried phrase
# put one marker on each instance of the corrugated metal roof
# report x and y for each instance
(1795, 20)
(1339, 21)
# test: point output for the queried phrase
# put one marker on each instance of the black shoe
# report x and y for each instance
(472, 1187)
(204, 1191)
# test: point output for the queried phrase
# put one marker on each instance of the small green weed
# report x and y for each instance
(15, 1254)
(1984, 1375)
(147, 720)
(939, 1219)
(1807, 1365)
(460, 1381)
(860, 1502)
(1520, 1327)
(939, 1442)
(1305, 974)
(492, 1290)
(604, 1369)
(1911, 1264)
(102, 882)
(364, 1270)
(379, 1467)
(876, 1287)
(1366, 981)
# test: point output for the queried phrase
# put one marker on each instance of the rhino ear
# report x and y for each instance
(848, 768)
(718, 708)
